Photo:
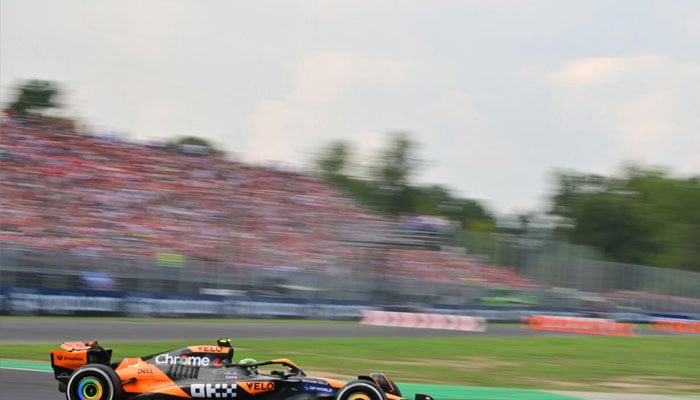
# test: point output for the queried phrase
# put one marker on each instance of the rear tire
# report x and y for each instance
(360, 390)
(94, 382)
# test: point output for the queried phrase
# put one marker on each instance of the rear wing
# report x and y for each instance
(74, 355)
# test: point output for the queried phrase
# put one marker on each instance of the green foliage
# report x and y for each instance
(645, 217)
(333, 161)
(392, 173)
(388, 189)
(35, 96)
(192, 145)
(195, 141)
(396, 162)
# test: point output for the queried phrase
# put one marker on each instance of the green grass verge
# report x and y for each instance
(625, 364)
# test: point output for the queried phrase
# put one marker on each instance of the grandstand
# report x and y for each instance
(158, 220)
(97, 197)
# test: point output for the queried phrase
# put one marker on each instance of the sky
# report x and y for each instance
(497, 95)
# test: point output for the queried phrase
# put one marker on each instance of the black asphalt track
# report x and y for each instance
(49, 330)
(18, 385)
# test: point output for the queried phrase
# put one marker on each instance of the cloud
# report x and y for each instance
(645, 121)
(646, 69)
(309, 114)
(642, 104)
(278, 126)
(468, 151)
(590, 71)
(324, 77)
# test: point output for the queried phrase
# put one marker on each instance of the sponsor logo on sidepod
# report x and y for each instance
(213, 390)
(319, 389)
(258, 387)
(210, 349)
(69, 358)
(167, 359)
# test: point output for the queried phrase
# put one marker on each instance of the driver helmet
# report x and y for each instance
(226, 342)
(254, 369)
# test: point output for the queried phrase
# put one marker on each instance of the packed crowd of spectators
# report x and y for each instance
(100, 196)
(454, 268)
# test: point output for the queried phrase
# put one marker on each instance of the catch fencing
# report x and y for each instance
(577, 269)
(575, 285)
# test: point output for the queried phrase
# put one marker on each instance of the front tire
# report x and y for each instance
(94, 382)
(360, 390)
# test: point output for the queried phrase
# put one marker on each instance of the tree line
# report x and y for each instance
(645, 216)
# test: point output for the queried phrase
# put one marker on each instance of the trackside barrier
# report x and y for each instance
(30, 301)
(422, 320)
(677, 326)
(588, 326)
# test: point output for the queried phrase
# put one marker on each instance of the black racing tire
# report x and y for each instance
(94, 382)
(360, 390)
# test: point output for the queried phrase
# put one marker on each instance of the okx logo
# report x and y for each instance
(213, 390)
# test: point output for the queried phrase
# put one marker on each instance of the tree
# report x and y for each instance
(333, 161)
(392, 172)
(469, 214)
(35, 96)
(396, 162)
(643, 217)
(389, 190)
(431, 200)
(194, 141)
(192, 145)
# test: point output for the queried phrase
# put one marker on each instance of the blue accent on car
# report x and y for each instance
(317, 389)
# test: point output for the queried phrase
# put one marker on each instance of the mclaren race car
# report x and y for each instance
(84, 371)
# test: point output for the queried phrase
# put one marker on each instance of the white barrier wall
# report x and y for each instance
(423, 320)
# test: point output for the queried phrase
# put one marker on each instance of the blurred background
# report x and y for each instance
(98, 214)
(406, 171)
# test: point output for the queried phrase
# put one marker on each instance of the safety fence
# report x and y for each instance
(22, 301)
(345, 280)
(560, 264)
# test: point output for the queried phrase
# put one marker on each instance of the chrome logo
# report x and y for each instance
(167, 359)
(90, 389)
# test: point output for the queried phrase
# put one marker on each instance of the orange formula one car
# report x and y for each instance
(84, 372)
